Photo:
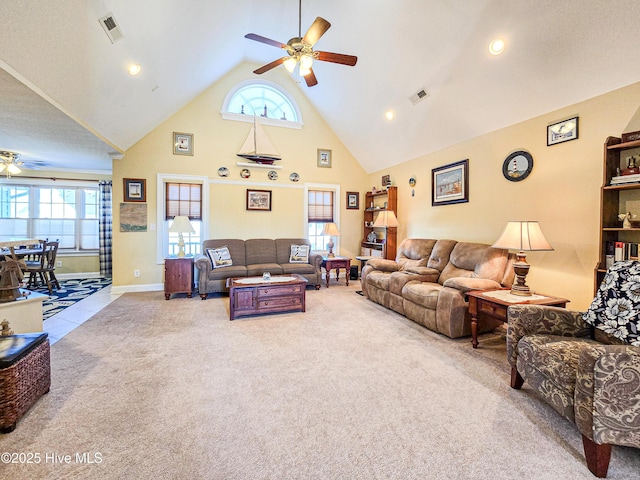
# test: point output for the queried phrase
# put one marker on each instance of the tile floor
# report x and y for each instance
(72, 317)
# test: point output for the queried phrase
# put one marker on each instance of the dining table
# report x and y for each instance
(21, 248)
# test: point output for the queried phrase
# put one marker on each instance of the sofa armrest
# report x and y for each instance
(607, 395)
(315, 259)
(466, 284)
(203, 264)
(531, 319)
(383, 264)
(428, 274)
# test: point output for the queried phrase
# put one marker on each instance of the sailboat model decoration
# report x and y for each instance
(257, 146)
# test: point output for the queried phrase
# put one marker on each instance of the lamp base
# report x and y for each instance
(180, 246)
(330, 245)
(521, 268)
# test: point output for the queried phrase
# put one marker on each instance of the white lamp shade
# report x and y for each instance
(330, 229)
(523, 236)
(386, 218)
(290, 64)
(181, 224)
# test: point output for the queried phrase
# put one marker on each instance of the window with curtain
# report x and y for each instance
(321, 211)
(65, 213)
(184, 199)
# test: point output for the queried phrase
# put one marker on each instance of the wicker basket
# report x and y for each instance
(23, 383)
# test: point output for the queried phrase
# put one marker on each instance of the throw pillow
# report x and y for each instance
(220, 257)
(299, 254)
(616, 307)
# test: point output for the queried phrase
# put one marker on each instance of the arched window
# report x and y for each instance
(264, 99)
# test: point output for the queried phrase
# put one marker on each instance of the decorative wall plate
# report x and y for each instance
(245, 173)
(273, 175)
(223, 172)
(372, 237)
(412, 182)
(294, 177)
(517, 166)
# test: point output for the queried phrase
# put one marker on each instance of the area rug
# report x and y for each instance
(70, 292)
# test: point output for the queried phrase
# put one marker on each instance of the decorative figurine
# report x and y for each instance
(626, 219)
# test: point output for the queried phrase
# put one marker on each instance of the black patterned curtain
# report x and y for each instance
(105, 226)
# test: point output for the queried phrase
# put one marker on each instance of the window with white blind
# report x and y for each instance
(66, 213)
(321, 210)
(184, 199)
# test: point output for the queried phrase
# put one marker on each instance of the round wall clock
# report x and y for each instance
(517, 166)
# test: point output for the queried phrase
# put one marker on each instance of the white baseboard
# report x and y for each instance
(150, 287)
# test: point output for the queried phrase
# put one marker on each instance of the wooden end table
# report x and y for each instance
(329, 263)
(480, 302)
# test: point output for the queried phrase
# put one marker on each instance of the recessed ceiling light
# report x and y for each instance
(496, 47)
(134, 69)
(389, 115)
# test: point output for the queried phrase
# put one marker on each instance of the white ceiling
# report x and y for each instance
(81, 106)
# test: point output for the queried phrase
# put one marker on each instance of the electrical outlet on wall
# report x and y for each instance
(136, 273)
(59, 263)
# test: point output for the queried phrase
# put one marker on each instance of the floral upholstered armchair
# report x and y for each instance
(586, 365)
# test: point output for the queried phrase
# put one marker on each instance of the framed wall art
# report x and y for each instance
(324, 158)
(517, 166)
(353, 200)
(182, 143)
(562, 131)
(135, 190)
(450, 183)
(259, 200)
(133, 217)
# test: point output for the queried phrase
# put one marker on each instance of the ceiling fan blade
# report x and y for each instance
(336, 58)
(261, 39)
(269, 66)
(310, 78)
(316, 30)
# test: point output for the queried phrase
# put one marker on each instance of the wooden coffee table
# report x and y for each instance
(480, 302)
(255, 296)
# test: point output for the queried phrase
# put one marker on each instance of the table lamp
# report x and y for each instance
(522, 236)
(180, 225)
(386, 218)
(330, 229)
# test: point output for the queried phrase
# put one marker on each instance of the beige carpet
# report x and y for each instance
(150, 388)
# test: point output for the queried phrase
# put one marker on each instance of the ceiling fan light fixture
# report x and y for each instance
(9, 162)
(306, 61)
(13, 169)
(290, 64)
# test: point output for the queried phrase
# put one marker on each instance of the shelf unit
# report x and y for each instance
(385, 246)
(613, 201)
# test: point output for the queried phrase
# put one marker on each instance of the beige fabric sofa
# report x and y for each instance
(428, 280)
(252, 258)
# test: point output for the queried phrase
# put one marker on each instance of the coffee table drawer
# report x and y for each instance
(279, 291)
(277, 302)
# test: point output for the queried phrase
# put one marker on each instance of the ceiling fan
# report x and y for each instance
(300, 50)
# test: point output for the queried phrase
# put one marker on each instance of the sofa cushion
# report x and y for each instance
(414, 252)
(616, 306)
(283, 248)
(260, 250)
(260, 268)
(227, 272)
(475, 260)
(235, 246)
(440, 254)
(299, 254)
(422, 293)
(379, 280)
(220, 257)
(298, 268)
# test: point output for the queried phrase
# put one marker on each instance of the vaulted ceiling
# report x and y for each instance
(67, 101)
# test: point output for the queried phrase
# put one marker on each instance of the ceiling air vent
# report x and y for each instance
(418, 96)
(111, 28)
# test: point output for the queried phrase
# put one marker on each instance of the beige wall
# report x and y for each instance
(562, 192)
(216, 142)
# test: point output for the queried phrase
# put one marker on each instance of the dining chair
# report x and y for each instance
(44, 269)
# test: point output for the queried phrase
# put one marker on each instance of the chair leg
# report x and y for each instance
(54, 280)
(516, 379)
(597, 456)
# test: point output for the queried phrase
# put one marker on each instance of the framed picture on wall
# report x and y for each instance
(562, 131)
(259, 200)
(182, 143)
(450, 183)
(135, 190)
(353, 200)
(324, 158)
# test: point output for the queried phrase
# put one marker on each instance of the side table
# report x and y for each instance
(329, 263)
(178, 276)
(494, 303)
